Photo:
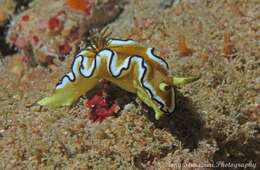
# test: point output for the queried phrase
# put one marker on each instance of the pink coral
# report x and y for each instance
(24, 58)
(22, 43)
(100, 108)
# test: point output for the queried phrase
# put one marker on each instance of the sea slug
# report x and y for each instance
(126, 64)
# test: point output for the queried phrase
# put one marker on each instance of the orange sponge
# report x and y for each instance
(79, 5)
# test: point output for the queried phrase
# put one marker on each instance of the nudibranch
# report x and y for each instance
(126, 64)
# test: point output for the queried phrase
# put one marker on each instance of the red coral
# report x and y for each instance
(65, 48)
(25, 18)
(100, 108)
(55, 24)
(74, 34)
(35, 40)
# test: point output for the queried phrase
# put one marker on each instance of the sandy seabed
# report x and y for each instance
(216, 122)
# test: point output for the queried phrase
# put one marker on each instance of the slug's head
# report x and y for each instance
(162, 93)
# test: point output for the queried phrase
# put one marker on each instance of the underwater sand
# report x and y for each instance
(216, 120)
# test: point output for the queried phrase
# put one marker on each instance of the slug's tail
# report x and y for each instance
(67, 95)
(59, 98)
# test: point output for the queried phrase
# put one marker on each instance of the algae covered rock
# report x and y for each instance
(49, 29)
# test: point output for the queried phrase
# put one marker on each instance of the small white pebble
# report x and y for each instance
(129, 107)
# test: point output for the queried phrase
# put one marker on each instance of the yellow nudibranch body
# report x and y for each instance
(126, 64)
